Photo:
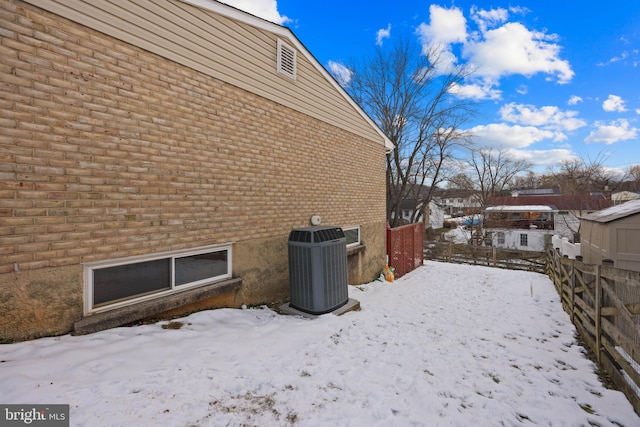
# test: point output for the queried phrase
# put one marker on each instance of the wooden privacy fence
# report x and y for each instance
(405, 248)
(604, 305)
(489, 256)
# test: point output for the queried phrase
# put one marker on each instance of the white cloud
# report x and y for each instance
(497, 49)
(476, 91)
(504, 135)
(488, 18)
(522, 90)
(618, 130)
(549, 117)
(542, 157)
(513, 49)
(340, 72)
(447, 26)
(574, 100)
(614, 103)
(383, 34)
(520, 10)
(265, 9)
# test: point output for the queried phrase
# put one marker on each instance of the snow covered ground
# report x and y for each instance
(446, 345)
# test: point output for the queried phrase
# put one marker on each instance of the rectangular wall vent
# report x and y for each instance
(287, 57)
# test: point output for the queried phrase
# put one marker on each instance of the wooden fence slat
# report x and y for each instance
(624, 312)
(405, 248)
(604, 320)
(598, 319)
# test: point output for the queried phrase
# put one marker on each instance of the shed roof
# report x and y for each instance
(613, 213)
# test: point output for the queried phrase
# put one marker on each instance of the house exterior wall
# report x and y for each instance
(567, 224)
(536, 239)
(111, 151)
(436, 215)
(217, 41)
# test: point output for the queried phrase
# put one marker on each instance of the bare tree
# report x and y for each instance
(401, 89)
(581, 175)
(495, 170)
(527, 181)
(461, 181)
(633, 175)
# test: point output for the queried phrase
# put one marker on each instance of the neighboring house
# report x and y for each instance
(612, 236)
(521, 227)
(411, 204)
(459, 202)
(435, 216)
(569, 208)
(624, 196)
(156, 157)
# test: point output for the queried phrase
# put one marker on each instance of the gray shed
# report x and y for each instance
(612, 234)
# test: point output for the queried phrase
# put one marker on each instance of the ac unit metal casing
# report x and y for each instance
(318, 269)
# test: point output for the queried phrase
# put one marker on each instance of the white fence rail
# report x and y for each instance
(566, 248)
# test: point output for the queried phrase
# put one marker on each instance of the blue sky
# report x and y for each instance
(553, 79)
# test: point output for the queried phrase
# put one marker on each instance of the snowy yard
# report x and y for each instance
(448, 344)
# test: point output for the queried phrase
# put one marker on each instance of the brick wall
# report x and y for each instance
(109, 151)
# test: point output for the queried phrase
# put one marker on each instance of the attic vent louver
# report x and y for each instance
(286, 60)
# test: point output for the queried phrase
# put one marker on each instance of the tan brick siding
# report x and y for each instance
(109, 151)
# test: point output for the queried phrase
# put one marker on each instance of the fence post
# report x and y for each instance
(598, 320)
(450, 250)
(494, 255)
(572, 280)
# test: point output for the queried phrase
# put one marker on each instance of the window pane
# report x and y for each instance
(193, 268)
(352, 235)
(126, 281)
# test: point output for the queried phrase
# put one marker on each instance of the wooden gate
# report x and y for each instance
(405, 248)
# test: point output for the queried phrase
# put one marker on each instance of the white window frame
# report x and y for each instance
(355, 227)
(89, 268)
(500, 237)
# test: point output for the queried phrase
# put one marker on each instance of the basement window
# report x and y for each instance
(352, 235)
(287, 57)
(116, 283)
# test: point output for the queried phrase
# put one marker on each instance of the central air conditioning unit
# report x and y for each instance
(318, 269)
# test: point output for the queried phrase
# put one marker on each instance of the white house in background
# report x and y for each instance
(569, 208)
(624, 196)
(435, 217)
(525, 227)
(456, 202)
